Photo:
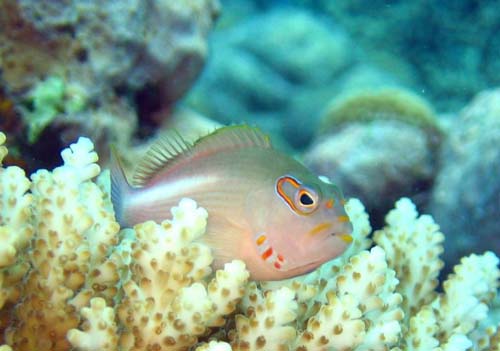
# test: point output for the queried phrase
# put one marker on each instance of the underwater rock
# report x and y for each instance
(114, 64)
(26, 54)
(365, 76)
(450, 48)
(190, 124)
(305, 49)
(274, 69)
(133, 43)
(466, 196)
(377, 162)
(378, 145)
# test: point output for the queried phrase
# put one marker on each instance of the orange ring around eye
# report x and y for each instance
(294, 201)
(281, 192)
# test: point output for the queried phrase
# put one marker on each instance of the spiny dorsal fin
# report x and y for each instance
(171, 148)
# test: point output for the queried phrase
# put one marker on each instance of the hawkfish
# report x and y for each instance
(264, 207)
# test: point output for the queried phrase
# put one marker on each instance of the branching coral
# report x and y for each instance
(71, 280)
(165, 302)
(15, 228)
(413, 246)
(151, 283)
(72, 236)
(445, 320)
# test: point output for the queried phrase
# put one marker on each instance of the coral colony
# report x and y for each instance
(71, 279)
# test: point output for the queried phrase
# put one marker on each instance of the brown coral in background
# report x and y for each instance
(115, 64)
(26, 53)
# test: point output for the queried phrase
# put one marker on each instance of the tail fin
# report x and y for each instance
(120, 187)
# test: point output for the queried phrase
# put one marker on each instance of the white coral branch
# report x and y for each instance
(99, 332)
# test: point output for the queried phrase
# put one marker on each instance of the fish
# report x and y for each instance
(264, 207)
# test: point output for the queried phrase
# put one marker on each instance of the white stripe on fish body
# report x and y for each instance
(171, 191)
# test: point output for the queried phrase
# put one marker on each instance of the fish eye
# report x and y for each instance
(306, 199)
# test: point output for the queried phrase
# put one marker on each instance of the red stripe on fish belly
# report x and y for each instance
(267, 253)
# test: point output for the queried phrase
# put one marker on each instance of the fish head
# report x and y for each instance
(304, 226)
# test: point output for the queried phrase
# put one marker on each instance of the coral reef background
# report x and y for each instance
(381, 111)
(389, 99)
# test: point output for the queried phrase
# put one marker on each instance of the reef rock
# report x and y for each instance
(116, 64)
(378, 145)
(466, 197)
(276, 70)
(452, 55)
(132, 43)
(376, 162)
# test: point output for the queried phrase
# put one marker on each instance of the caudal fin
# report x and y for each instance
(120, 189)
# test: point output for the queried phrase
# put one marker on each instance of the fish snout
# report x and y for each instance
(343, 228)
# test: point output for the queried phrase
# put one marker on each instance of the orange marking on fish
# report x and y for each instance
(329, 203)
(346, 238)
(281, 258)
(284, 196)
(292, 180)
(343, 219)
(267, 253)
(320, 227)
(277, 265)
(261, 240)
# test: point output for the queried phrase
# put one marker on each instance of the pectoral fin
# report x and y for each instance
(228, 240)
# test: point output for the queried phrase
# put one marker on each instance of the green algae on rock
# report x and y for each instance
(382, 104)
(49, 98)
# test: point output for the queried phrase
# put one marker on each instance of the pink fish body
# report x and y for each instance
(263, 206)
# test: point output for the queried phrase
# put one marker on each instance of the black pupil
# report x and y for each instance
(305, 199)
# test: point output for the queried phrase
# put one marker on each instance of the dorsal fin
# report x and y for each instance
(171, 148)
